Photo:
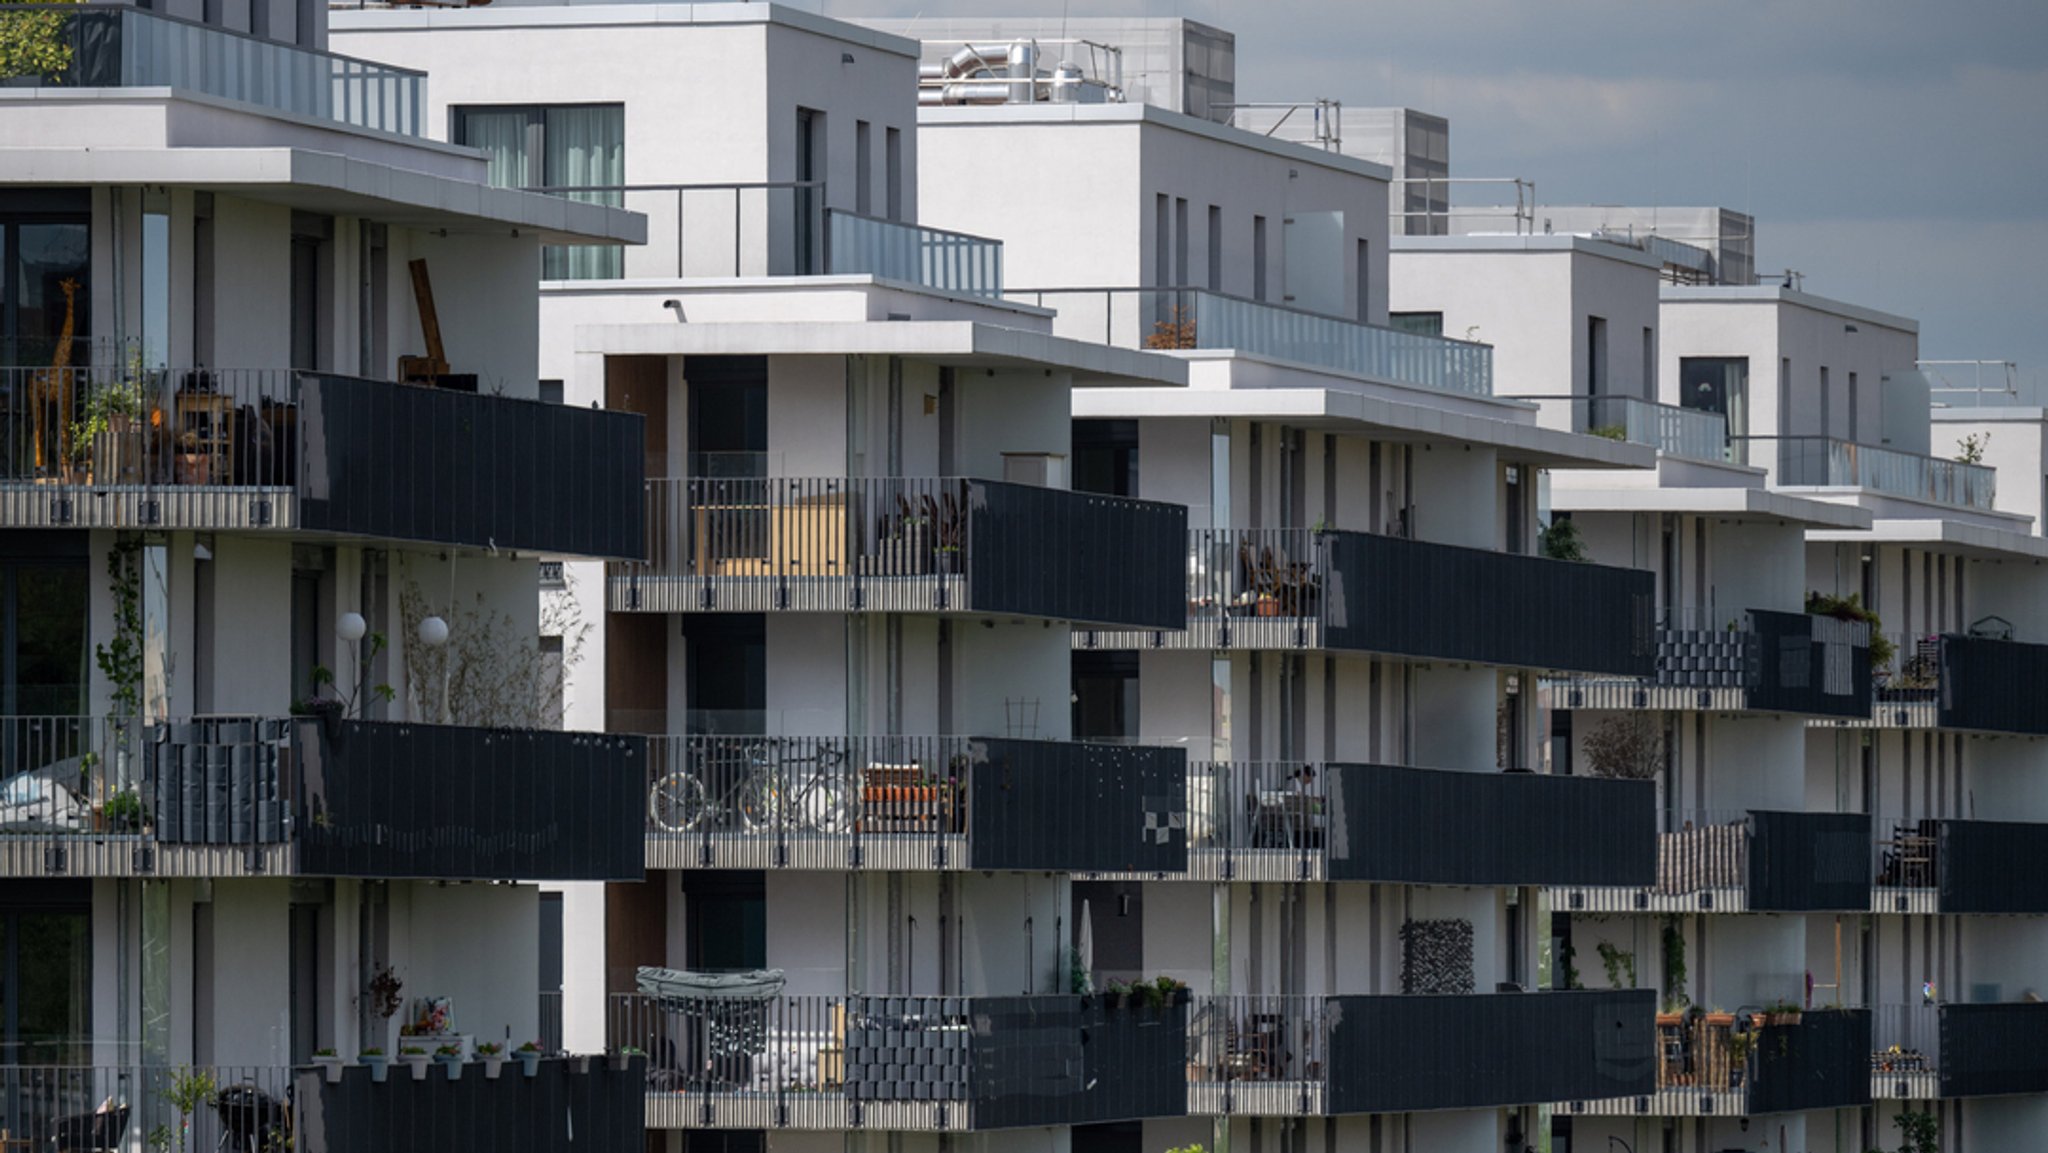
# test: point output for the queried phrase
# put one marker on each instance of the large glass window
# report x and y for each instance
(46, 980)
(45, 244)
(580, 146)
(1718, 384)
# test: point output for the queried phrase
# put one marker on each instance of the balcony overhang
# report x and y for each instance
(1740, 504)
(1892, 506)
(1448, 419)
(1957, 538)
(312, 176)
(954, 343)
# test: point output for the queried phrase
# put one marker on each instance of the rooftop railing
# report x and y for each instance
(119, 46)
(1827, 462)
(1686, 433)
(1194, 318)
(913, 253)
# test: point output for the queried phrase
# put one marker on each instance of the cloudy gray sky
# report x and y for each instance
(1895, 152)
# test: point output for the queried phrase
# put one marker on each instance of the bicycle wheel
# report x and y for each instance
(830, 805)
(760, 801)
(677, 803)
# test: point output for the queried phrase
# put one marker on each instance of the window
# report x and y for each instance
(1258, 258)
(46, 970)
(1180, 239)
(571, 146)
(45, 242)
(1162, 256)
(1105, 695)
(1718, 384)
(1215, 248)
(1596, 355)
(863, 168)
(1649, 363)
(1420, 323)
(1106, 457)
(894, 142)
(1364, 294)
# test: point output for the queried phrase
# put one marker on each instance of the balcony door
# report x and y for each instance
(1719, 384)
(45, 242)
(46, 974)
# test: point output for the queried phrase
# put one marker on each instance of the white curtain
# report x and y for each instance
(585, 146)
(502, 137)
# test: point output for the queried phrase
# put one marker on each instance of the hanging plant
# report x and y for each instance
(1675, 998)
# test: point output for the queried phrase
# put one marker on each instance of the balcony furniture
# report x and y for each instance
(806, 537)
(1287, 818)
(1909, 856)
(1247, 1052)
(205, 435)
(94, 1132)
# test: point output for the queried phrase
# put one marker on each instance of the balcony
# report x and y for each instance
(104, 447)
(1334, 590)
(1752, 861)
(1927, 1052)
(81, 1107)
(241, 796)
(1824, 462)
(1290, 1056)
(1684, 433)
(920, 1063)
(763, 802)
(1759, 660)
(116, 46)
(1949, 866)
(1193, 318)
(1741, 1064)
(1952, 681)
(782, 228)
(905, 544)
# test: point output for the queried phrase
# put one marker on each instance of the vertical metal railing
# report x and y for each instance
(1703, 850)
(755, 801)
(1259, 1053)
(116, 426)
(1260, 587)
(914, 254)
(243, 1108)
(1257, 808)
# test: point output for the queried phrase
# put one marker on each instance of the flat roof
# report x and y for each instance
(1132, 112)
(564, 15)
(1556, 242)
(950, 342)
(1777, 294)
(1951, 536)
(1731, 503)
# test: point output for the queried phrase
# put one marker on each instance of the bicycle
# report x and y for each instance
(821, 799)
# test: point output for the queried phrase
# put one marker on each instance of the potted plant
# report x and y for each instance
(123, 812)
(1113, 994)
(376, 1062)
(492, 1054)
(107, 436)
(1782, 1013)
(1268, 605)
(416, 1057)
(529, 1057)
(620, 1057)
(449, 1057)
(330, 1061)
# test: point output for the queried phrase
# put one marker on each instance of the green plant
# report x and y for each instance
(123, 810)
(1740, 1045)
(1919, 1131)
(411, 1051)
(528, 1047)
(121, 399)
(632, 1051)
(1078, 979)
(1850, 608)
(489, 1049)
(159, 1138)
(448, 1051)
(1619, 963)
(372, 1051)
(327, 1052)
(119, 657)
(189, 1091)
(1610, 432)
(352, 704)
(1568, 971)
(35, 43)
(1560, 541)
(1675, 999)
(1970, 449)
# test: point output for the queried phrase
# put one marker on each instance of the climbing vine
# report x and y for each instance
(120, 656)
(1675, 998)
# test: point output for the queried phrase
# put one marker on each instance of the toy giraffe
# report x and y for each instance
(51, 387)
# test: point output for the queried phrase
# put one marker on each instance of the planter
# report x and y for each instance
(493, 1066)
(418, 1064)
(452, 1062)
(117, 452)
(579, 1064)
(332, 1066)
(1781, 1019)
(529, 1063)
(194, 468)
(1269, 607)
(378, 1064)
(617, 1062)
(1720, 1020)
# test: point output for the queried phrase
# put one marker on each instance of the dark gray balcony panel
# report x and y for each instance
(1811, 664)
(1044, 552)
(1994, 1049)
(580, 1104)
(1075, 1061)
(1993, 686)
(409, 463)
(444, 801)
(1809, 862)
(1077, 807)
(1399, 1054)
(1437, 827)
(1415, 598)
(1992, 867)
(1821, 1063)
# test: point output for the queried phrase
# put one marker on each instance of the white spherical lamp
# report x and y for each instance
(351, 627)
(433, 632)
